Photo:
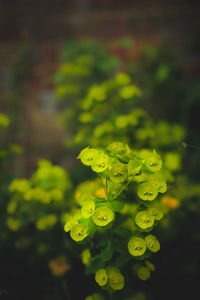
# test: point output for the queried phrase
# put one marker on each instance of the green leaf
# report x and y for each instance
(96, 264)
(124, 232)
(106, 253)
(122, 260)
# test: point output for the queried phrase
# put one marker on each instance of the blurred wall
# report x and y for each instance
(174, 21)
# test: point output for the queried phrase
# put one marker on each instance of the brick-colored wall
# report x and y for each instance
(175, 22)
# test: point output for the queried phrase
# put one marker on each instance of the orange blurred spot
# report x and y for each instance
(58, 267)
(170, 202)
(101, 193)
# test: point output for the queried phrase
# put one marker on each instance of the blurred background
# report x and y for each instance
(41, 85)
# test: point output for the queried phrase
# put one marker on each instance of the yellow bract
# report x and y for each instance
(101, 277)
(79, 232)
(103, 216)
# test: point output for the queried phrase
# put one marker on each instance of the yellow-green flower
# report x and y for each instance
(101, 277)
(122, 121)
(4, 121)
(19, 185)
(136, 246)
(156, 212)
(134, 168)
(143, 273)
(153, 162)
(88, 156)
(97, 92)
(122, 78)
(46, 222)
(152, 243)
(160, 185)
(103, 216)
(144, 219)
(88, 209)
(100, 163)
(86, 256)
(86, 117)
(172, 161)
(13, 224)
(147, 191)
(11, 207)
(118, 172)
(116, 281)
(79, 232)
(129, 91)
(70, 223)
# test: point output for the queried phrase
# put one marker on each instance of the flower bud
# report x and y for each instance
(143, 273)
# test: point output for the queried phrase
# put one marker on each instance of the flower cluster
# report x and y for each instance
(103, 214)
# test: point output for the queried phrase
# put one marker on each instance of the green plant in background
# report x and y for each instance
(40, 200)
(8, 151)
(82, 64)
(110, 107)
(114, 228)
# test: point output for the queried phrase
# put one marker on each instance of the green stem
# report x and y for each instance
(120, 191)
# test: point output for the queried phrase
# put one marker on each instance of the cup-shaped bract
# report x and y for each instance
(86, 256)
(118, 172)
(116, 281)
(143, 273)
(161, 185)
(88, 209)
(71, 221)
(103, 215)
(144, 219)
(100, 163)
(137, 246)
(118, 149)
(79, 232)
(156, 212)
(153, 162)
(147, 191)
(101, 277)
(152, 243)
(134, 168)
(88, 156)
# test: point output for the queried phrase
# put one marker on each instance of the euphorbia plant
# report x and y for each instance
(114, 229)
